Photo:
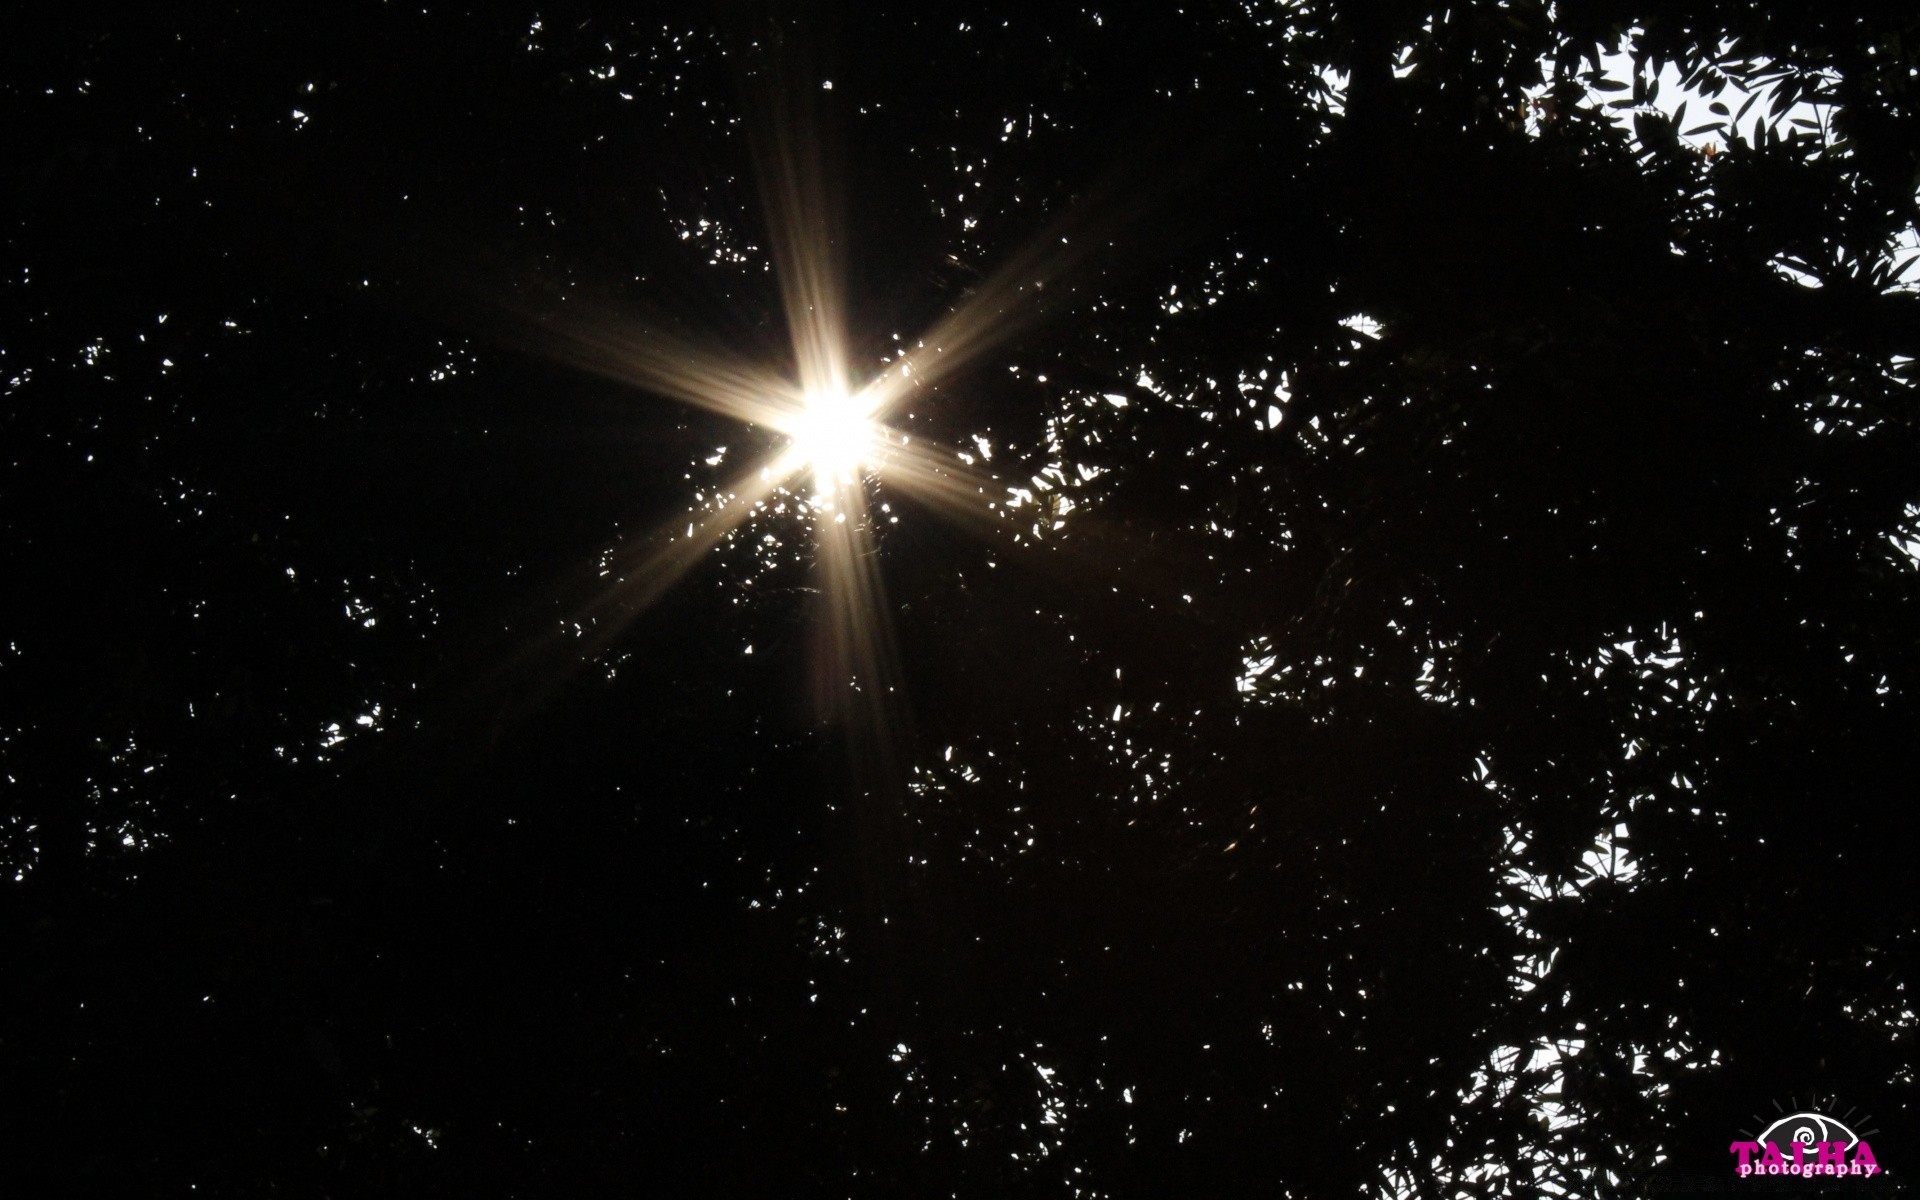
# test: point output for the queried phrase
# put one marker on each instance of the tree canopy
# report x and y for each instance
(1395, 674)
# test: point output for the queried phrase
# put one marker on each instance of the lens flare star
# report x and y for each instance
(835, 432)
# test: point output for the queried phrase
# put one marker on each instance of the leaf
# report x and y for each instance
(1710, 127)
(1609, 85)
(1720, 108)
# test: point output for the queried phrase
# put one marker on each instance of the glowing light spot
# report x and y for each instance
(835, 436)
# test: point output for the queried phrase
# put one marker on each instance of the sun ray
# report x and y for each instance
(938, 479)
(673, 554)
(831, 430)
(641, 576)
(804, 224)
(1013, 298)
(653, 360)
(855, 663)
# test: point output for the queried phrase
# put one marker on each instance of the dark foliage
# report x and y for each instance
(1430, 712)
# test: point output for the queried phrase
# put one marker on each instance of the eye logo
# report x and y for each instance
(1806, 1142)
(1806, 1129)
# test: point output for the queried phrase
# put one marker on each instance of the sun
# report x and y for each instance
(835, 435)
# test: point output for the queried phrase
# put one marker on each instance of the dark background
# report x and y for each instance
(1601, 541)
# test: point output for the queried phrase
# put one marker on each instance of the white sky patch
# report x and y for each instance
(334, 733)
(1362, 324)
(1257, 660)
(1539, 1072)
(1710, 116)
(1907, 541)
(1332, 100)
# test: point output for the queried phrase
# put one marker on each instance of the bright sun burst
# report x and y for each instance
(835, 436)
(843, 438)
